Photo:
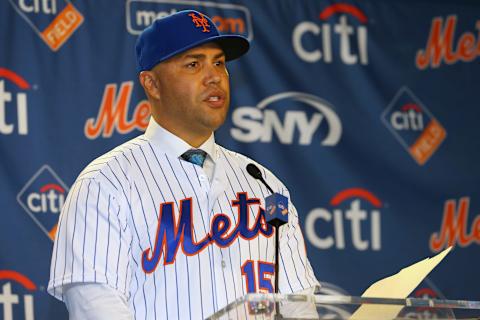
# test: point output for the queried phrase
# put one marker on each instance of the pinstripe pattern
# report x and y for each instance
(111, 215)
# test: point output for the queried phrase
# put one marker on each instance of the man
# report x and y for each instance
(170, 225)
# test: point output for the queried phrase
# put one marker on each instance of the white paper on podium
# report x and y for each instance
(398, 286)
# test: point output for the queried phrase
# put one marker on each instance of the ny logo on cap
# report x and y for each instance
(200, 22)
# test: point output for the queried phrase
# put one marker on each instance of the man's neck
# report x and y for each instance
(195, 139)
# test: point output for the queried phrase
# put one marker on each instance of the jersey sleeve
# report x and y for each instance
(296, 273)
(92, 243)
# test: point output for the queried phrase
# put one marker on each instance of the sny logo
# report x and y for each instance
(54, 21)
(19, 99)
(259, 124)
(332, 233)
(302, 34)
(8, 298)
(42, 198)
(413, 126)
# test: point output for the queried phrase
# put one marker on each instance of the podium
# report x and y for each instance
(292, 306)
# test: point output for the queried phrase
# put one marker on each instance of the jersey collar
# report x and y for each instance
(175, 146)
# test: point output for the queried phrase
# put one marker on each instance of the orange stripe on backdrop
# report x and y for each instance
(15, 78)
(343, 8)
(62, 27)
(356, 193)
(53, 232)
(18, 277)
(428, 142)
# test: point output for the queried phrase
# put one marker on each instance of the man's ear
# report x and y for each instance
(148, 80)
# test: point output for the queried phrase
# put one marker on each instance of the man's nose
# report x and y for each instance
(212, 75)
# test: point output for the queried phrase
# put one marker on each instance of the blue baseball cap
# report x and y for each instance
(180, 32)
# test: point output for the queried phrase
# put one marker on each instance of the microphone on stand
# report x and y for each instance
(276, 212)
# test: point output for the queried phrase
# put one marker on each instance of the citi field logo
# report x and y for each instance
(293, 117)
(442, 47)
(54, 21)
(16, 295)
(229, 18)
(42, 198)
(113, 113)
(13, 103)
(454, 228)
(353, 209)
(313, 41)
(412, 124)
(427, 312)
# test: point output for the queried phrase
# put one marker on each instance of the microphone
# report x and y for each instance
(257, 174)
(276, 204)
(276, 212)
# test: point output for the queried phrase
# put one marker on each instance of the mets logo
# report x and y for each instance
(412, 124)
(42, 198)
(200, 22)
(174, 231)
(54, 21)
(16, 290)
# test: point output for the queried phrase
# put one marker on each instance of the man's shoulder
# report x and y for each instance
(114, 164)
(242, 161)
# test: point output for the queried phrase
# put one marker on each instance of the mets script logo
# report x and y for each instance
(170, 236)
(351, 35)
(42, 198)
(413, 125)
(13, 102)
(16, 291)
(200, 22)
(53, 20)
(454, 228)
(325, 228)
(229, 18)
(113, 112)
(304, 115)
(441, 45)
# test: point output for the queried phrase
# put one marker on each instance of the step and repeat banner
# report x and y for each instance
(367, 110)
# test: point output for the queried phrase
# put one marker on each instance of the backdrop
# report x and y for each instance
(367, 110)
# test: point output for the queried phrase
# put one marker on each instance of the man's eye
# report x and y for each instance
(220, 63)
(193, 64)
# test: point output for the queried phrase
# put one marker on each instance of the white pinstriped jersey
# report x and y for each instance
(176, 244)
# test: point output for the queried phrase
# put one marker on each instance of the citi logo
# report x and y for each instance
(413, 125)
(326, 229)
(409, 117)
(50, 199)
(263, 122)
(352, 37)
(42, 198)
(229, 18)
(38, 6)
(13, 103)
(12, 300)
(54, 21)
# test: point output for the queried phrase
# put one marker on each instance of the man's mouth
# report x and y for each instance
(215, 99)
